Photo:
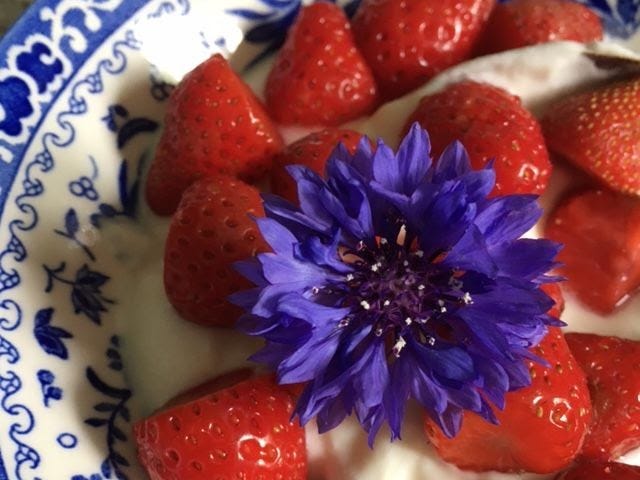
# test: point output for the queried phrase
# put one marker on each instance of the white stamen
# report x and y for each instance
(344, 322)
(466, 298)
(431, 341)
(315, 290)
(350, 277)
(383, 241)
(378, 331)
(405, 263)
(400, 344)
(364, 304)
(386, 303)
(375, 267)
(419, 253)
(423, 320)
(421, 287)
(408, 321)
(443, 309)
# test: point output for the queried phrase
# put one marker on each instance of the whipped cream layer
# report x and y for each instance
(165, 354)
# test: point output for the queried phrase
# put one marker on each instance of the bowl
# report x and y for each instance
(83, 87)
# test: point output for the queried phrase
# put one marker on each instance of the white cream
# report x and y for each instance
(164, 354)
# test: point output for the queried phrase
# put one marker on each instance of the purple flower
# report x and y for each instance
(398, 278)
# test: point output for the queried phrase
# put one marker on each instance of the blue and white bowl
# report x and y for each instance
(83, 86)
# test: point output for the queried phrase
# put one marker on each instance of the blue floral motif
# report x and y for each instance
(86, 293)
(50, 338)
(83, 187)
(108, 414)
(49, 390)
(74, 32)
(14, 100)
(42, 72)
(118, 121)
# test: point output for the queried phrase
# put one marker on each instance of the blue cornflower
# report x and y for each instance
(398, 278)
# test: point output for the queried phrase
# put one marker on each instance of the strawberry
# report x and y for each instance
(208, 233)
(612, 366)
(600, 471)
(519, 23)
(555, 292)
(407, 42)
(311, 151)
(214, 125)
(541, 428)
(491, 124)
(600, 231)
(598, 131)
(319, 77)
(242, 431)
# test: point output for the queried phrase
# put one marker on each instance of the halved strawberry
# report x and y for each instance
(612, 366)
(241, 431)
(600, 471)
(542, 427)
(210, 231)
(598, 131)
(519, 23)
(214, 125)
(406, 42)
(311, 151)
(491, 124)
(600, 231)
(319, 77)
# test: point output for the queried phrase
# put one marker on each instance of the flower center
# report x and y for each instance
(402, 293)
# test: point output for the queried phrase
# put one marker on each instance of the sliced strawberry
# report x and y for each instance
(311, 151)
(243, 431)
(600, 231)
(600, 471)
(214, 125)
(599, 132)
(319, 77)
(612, 366)
(519, 23)
(407, 42)
(209, 232)
(541, 428)
(492, 124)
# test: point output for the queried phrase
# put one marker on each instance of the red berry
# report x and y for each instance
(600, 471)
(491, 123)
(612, 366)
(243, 431)
(311, 151)
(541, 428)
(600, 231)
(210, 231)
(214, 125)
(599, 132)
(319, 77)
(519, 23)
(406, 42)
(555, 292)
